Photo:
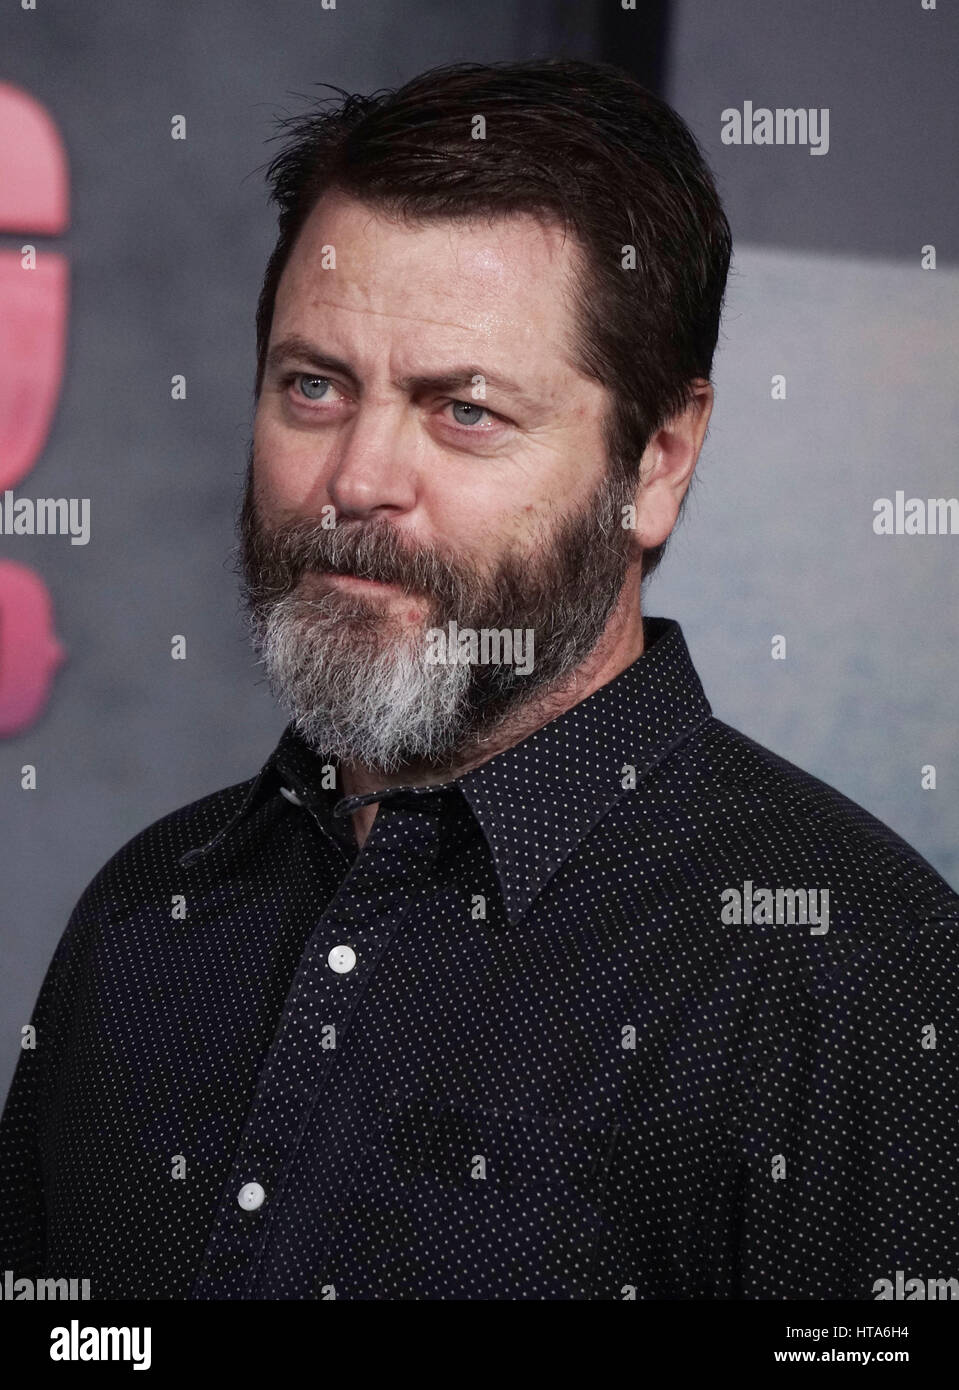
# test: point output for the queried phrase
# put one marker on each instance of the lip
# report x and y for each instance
(361, 583)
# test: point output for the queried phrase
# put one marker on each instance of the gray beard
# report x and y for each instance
(361, 692)
(376, 702)
(358, 686)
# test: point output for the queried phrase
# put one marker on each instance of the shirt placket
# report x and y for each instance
(345, 948)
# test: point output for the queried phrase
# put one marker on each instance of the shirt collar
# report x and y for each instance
(536, 801)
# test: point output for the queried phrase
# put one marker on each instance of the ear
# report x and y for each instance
(667, 465)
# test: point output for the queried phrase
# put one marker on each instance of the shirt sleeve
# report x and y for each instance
(22, 1185)
(850, 1146)
(29, 1123)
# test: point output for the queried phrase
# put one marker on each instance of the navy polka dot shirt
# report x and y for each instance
(636, 1009)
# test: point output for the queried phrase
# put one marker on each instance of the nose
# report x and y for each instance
(375, 462)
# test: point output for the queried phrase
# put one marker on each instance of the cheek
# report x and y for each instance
(287, 474)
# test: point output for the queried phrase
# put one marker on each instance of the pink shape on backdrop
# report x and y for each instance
(34, 183)
(29, 650)
(33, 322)
(34, 199)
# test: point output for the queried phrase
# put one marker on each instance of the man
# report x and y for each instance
(514, 973)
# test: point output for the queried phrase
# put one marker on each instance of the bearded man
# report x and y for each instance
(500, 979)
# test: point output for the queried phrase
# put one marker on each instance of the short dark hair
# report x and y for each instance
(578, 143)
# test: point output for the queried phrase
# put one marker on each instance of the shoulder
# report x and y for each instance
(165, 841)
(761, 813)
(148, 865)
(126, 899)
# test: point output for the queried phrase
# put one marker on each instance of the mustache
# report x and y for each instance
(274, 560)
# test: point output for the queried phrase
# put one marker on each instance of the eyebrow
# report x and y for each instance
(456, 378)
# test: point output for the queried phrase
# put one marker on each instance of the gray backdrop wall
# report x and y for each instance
(167, 245)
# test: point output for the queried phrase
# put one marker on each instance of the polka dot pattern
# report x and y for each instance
(511, 1050)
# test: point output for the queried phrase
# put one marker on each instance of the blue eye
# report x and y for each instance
(471, 412)
(307, 383)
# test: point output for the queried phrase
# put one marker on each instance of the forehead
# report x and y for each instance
(450, 285)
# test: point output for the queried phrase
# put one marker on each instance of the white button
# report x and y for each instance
(250, 1196)
(342, 959)
(291, 796)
